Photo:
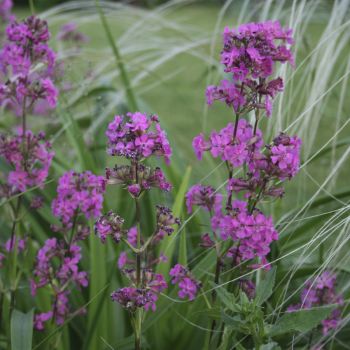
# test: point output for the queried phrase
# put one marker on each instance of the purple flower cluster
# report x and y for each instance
(78, 193)
(132, 298)
(318, 292)
(137, 179)
(69, 33)
(57, 266)
(79, 196)
(188, 285)
(205, 197)
(26, 66)
(254, 231)
(5, 10)
(232, 144)
(249, 55)
(30, 157)
(137, 136)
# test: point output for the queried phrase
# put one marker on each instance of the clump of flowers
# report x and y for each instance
(26, 63)
(318, 292)
(26, 66)
(5, 10)
(79, 197)
(69, 33)
(78, 193)
(30, 156)
(138, 137)
(249, 56)
(188, 285)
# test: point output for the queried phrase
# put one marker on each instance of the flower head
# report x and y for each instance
(137, 136)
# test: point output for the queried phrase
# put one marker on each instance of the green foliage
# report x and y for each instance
(300, 320)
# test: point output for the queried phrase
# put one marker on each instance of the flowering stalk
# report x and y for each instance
(137, 137)
(79, 198)
(249, 56)
(26, 63)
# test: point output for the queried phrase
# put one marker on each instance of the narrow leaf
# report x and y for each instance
(21, 330)
(265, 286)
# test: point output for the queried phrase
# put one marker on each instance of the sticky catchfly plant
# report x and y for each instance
(138, 137)
(241, 233)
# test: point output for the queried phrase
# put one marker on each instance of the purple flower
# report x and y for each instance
(109, 225)
(188, 286)
(147, 178)
(249, 54)
(69, 33)
(285, 156)
(40, 319)
(200, 145)
(5, 9)
(134, 190)
(57, 267)
(122, 260)
(235, 146)
(254, 231)
(132, 298)
(206, 241)
(321, 291)
(27, 66)
(203, 196)
(10, 244)
(132, 236)
(32, 168)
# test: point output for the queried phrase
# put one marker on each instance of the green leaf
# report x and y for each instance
(227, 298)
(270, 346)
(265, 286)
(234, 322)
(301, 320)
(183, 248)
(168, 244)
(21, 330)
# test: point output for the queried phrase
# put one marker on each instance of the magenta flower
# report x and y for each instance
(69, 33)
(27, 66)
(188, 285)
(29, 169)
(285, 155)
(136, 137)
(321, 291)
(78, 193)
(250, 54)
(203, 196)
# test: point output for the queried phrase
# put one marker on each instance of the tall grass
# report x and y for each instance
(169, 55)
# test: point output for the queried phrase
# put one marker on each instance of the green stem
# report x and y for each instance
(32, 7)
(138, 315)
(123, 73)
